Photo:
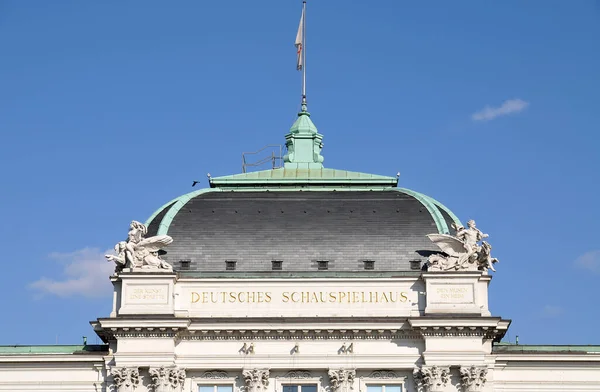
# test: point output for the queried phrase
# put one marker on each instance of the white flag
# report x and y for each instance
(300, 42)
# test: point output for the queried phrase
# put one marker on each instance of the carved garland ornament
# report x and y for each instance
(126, 379)
(432, 378)
(215, 374)
(298, 374)
(473, 378)
(383, 374)
(167, 379)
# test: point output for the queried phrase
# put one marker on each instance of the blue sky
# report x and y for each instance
(109, 109)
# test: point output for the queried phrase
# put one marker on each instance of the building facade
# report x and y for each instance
(302, 279)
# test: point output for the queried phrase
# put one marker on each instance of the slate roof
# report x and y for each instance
(299, 228)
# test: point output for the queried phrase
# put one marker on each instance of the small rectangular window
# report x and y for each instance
(300, 388)
(322, 265)
(415, 264)
(384, 388)
(276, 265)
(185, 264)
(215, 388)
(369, 264)
(230, 265)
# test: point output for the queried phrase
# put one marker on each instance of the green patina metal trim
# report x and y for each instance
(446, 209)
(298, 176)
(181, 201)
(62, 349)
(437, 216)
(159, 211)
(542, 349)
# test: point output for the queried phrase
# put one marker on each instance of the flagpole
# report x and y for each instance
(304, 55)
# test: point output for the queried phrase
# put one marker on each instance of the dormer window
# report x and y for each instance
(369, 264)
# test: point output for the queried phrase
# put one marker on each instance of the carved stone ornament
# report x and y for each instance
(126, 379)
(342, 380)
(462, 252)
(383, 374)
(432, 378)
(167, 379)
(298, 374)
(473, 378)
(256, 380)
(139, 253)
(215, 374)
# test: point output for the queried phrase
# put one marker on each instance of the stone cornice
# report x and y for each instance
(486, 327)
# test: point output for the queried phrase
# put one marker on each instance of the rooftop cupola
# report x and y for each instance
(304, 144)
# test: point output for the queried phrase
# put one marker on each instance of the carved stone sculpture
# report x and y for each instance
(431, 378)
(126, 379)
(342, 380)
(462, 252)
(139, 253)
(473, 378)
(167, 379)
(256, 380)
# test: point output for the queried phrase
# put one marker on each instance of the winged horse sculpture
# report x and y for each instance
(139, 252)
(461, 254)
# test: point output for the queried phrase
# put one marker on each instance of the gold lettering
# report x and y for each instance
(292, 296)
(403, 297)
(285, 296)
(268, 296)
(305, 296)
(195, 297)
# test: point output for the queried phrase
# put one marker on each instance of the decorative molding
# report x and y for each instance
(167, 379)
(215, 374)
(473, 378)
(256, 380)
(316, 334)
(341, 380)
(385, 374)
(431, 378)
(126, 379)
(298, 374)
(482, 331)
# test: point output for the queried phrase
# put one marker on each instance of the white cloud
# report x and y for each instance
(85, 272)
(509, 106)
(589, 261)
(551, 311)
